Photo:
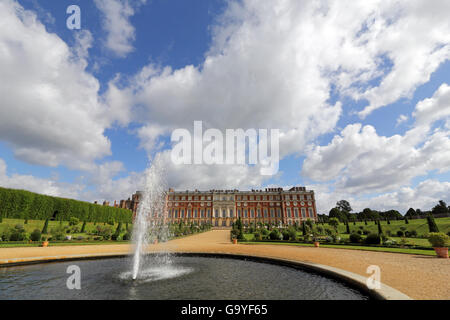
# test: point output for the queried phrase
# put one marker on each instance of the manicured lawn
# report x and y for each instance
(381, 249)
(419, 225)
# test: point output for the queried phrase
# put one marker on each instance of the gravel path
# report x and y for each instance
(420, 277)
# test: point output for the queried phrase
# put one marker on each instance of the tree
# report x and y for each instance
(432, 227)
(411, 213)
(336, 213)
(406, 220)
(440, 208)
(347, 228)
(83, 227)
(334, 222)
(345, 208)
(45, 228)
(380, 230)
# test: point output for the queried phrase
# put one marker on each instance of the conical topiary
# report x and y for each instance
(380, 230)
(432, 226)
(83, 227)
(45, 228)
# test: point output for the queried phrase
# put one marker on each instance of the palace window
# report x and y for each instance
(195, 213)
(252, 213)
(217, 213)
(224, 213)
(202, 212)
(296, 212)
(209, 213)
(288, 212)
(231, 213)
(259, 213)
(303, 212)
(265, 213)
(245, 213)
(239, 213)
(272, 213)
(279, 213)
(310, 211)
(182, 213)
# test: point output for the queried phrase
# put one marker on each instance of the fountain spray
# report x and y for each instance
(150, 222)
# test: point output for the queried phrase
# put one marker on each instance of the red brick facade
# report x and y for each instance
(222, 207)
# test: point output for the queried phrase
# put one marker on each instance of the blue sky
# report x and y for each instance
(360, 95)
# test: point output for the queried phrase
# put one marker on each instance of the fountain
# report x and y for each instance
(150, 224)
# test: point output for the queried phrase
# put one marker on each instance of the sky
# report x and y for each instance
(359, 91)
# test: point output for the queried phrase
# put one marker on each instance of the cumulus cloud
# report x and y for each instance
(116, 23)
(424, 196)
(361, 161)
(50, 187)
(50, 111)
(434, 108)
(273, 66)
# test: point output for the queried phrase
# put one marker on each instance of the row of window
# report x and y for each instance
(241, 198)
(245, 204)
(241, 213)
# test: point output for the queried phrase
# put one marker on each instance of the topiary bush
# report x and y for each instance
(400, 233)
(257, 236)
(126, 236)
(438, 239)
(372, 238)
(292, 235)
(355, 237)
(73, 221)
(36, 235)
(432, 226)
(286, 235)
(45, 228)
(275, 235)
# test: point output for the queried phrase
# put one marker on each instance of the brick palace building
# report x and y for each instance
(222, 207)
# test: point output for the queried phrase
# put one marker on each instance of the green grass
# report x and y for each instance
(420, 225)
(39, 224)
(60, 244)
(351, 247)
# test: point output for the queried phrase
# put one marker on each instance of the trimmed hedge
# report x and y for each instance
(21, 204)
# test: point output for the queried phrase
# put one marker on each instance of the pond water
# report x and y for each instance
(185, 278)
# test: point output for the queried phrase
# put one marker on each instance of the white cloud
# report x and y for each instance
(424, 196)
(361, 161)
(44, 186)
(50, 112)
(401, 119)
(435, 108)
(206, 177)
(116, 22)
(272, 66)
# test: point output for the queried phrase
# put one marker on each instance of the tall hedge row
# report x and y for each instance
(20, 204)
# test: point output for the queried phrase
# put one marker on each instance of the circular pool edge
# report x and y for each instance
(350, 279)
